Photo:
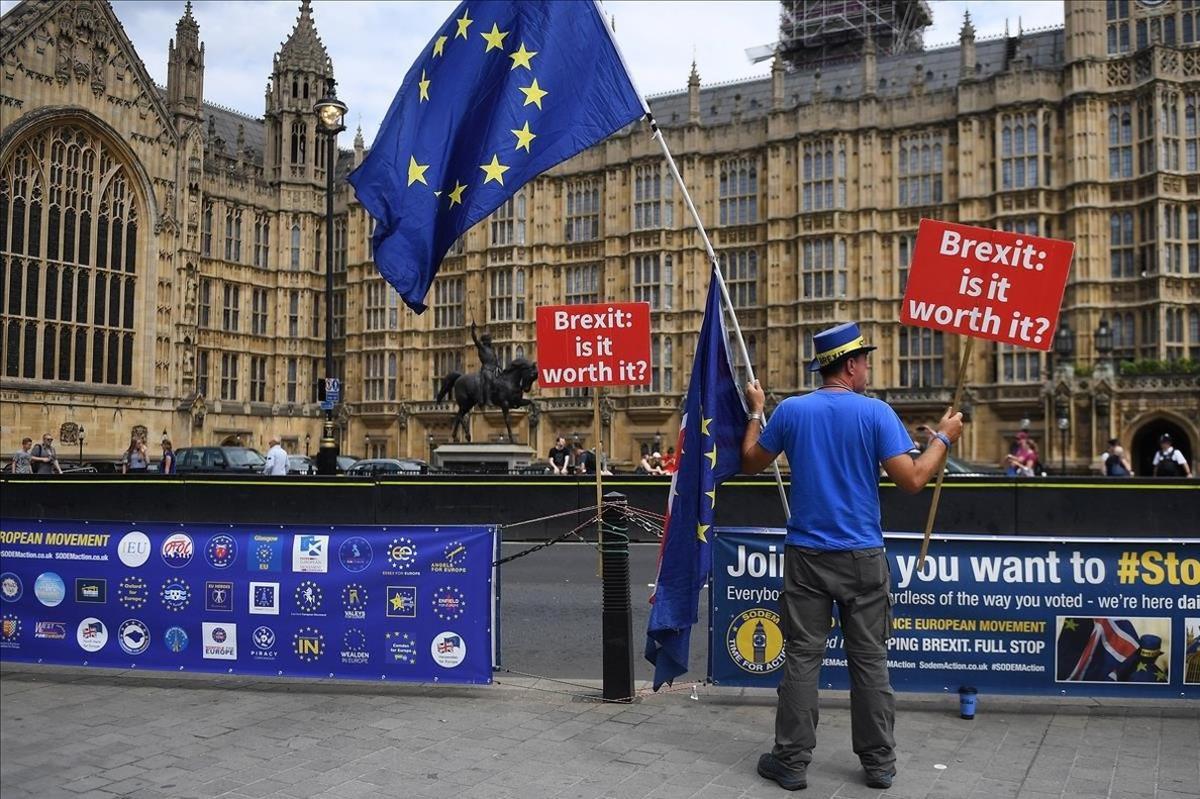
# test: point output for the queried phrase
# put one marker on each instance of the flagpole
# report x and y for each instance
(726, 303)
(712, 256)
(599, 483)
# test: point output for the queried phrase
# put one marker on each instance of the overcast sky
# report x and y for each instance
(373, 44)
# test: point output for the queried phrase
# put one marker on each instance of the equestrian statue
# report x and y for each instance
(491, 385)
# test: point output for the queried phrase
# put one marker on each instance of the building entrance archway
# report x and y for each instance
(1145, 444)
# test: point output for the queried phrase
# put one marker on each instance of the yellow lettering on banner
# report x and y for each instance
(1011, 626)
(1156, 568)
(92, 540)
(963, 625)
(27, 537)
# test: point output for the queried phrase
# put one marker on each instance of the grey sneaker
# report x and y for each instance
(880, 779)
(790, 779)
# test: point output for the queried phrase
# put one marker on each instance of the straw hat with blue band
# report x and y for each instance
(837, 342)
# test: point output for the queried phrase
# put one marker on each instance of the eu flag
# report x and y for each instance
(710, 451)
(505, 90)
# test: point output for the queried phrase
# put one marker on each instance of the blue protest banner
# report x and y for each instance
(395, 603)
(1022, 615)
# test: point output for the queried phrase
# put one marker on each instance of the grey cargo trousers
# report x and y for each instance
(859, 582)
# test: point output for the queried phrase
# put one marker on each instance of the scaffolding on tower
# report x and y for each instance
(815, 33)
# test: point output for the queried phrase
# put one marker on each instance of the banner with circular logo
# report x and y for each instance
(411, 603)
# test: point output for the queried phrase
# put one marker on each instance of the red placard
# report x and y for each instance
(604, 344)
(986, 283)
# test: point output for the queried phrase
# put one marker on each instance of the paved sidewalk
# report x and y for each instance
(103, 733)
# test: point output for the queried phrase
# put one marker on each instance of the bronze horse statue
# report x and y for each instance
(508, 388)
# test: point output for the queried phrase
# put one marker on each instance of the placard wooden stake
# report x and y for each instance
(937, 488)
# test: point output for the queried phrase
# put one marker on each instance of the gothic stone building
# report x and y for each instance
(163, 257)
(163, 266)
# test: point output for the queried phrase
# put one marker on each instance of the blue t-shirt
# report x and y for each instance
(835, 441)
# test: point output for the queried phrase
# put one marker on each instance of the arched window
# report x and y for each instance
(295, 246)
(69, 247)
(299, 143)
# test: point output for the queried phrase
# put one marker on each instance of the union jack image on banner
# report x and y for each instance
(449, 644)
(1092, 649)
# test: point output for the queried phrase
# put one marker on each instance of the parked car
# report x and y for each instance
(344, 462)
(375, 467)
(301, 464)
(191, 460)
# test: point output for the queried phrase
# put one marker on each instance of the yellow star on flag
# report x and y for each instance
(1070, 624)
(704, 423)
(1141, 667)
(495, 171)
(456, 195)
(702, 532)
(712, 456)
(416, 172)
(520, 57)
(712, 495)
(1160, 675)
(439, 45)
(423, 85)
(463, 24)
(524, 137)
(534, 94)
(495, 39)
(397, 602)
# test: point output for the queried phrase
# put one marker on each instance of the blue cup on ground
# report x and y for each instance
(967, 698)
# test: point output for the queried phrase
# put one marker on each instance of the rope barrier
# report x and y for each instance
(648, 520)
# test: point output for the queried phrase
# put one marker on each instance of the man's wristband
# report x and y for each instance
(945, 439)
(755, 416)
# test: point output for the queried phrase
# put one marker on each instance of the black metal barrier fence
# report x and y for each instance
(1080, 506)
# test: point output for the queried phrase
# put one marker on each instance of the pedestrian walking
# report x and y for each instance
(277, 458)
(167, 464)
(44, 456)
(1114, 461)
(22, 459)
(835, 439)
(134, 460)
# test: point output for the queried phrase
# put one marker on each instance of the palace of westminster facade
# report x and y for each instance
(163, 257)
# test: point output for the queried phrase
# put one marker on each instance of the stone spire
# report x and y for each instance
(694, 96)
(302, 70)
(185, 68)
(777, 87)
(359, 146)
(966, 46)
(303, 49)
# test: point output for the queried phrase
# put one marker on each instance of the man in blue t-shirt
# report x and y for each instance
(835, 440)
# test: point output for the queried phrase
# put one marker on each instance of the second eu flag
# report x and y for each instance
(504, 91)
(710, 452)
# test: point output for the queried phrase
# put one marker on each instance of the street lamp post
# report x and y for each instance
(1064, 425)
(1064, 350)
(81, 445)
(1064, 345)
(331, 115)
